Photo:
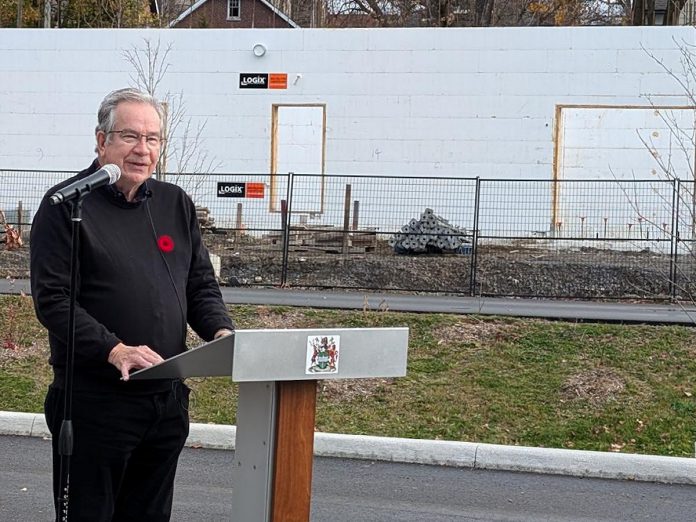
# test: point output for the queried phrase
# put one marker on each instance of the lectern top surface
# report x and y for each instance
(211, 359)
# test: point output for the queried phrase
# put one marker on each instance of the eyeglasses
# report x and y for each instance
(131, 137)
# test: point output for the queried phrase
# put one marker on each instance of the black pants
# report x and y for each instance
(125, 453)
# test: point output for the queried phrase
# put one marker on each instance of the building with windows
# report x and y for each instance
(671, 12)
(233, 14)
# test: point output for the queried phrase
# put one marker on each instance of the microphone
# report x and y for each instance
(106, 175)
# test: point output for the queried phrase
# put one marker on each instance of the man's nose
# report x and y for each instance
(141, 146)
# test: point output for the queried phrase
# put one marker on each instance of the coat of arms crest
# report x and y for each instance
(322, 354)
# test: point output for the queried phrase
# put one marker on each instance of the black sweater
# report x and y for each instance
(143, 268)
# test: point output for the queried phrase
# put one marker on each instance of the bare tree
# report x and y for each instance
(673, 150)
(674, 9)
(184, 139)
(483, 12)
(477, 13)
(98, 13)
(642, 12)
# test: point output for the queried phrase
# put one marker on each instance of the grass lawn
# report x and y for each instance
(499, 380)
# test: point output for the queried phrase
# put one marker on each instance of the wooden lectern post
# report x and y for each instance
(292, 474)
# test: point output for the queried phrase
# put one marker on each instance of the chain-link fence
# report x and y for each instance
(467, 236)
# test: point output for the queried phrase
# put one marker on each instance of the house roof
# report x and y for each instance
(199, 3)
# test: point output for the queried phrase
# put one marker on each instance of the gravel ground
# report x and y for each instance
(501, 271)
(585, 273)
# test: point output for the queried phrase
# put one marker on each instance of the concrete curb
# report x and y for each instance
(31, 424)
(597, 464)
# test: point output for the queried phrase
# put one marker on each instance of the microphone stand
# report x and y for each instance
(65, 441)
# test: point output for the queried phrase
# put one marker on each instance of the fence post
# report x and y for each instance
(674, 239)
(286, 216)
(474, 239)
(19, 218)
(346, 220)
(555, 198)
(356, 212)
(238, 224)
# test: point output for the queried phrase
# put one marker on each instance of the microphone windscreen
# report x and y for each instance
(113, 171)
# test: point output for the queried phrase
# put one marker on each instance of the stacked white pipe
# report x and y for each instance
(431, 233)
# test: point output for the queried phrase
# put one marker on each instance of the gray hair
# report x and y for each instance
(106, 116)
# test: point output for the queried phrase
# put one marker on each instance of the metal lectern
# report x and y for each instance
(277, 372)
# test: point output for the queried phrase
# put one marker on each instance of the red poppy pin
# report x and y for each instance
(165, 243)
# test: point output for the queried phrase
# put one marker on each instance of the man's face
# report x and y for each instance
(135, 156)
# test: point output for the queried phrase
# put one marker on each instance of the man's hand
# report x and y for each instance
(222, 332)
(127, 358)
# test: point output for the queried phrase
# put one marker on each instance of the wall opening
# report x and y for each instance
(298, 145)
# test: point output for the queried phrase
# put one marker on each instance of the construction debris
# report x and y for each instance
(328, 239)
(205, 220)
(12, 238)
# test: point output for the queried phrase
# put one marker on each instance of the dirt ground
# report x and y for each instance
(499, 270)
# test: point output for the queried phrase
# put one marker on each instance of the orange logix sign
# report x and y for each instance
(254, 190)
(278, 81)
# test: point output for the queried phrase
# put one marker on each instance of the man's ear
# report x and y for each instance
(101, 141)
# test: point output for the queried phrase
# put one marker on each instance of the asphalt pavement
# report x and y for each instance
(461, 455)
(576, 310)
(349, 490)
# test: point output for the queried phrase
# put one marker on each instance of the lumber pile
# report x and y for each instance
(327, 239)
(205, 220)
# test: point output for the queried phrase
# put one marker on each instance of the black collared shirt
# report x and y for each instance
(141, 195)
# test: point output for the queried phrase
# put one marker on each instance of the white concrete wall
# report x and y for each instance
(414, 102)
(473, 102)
